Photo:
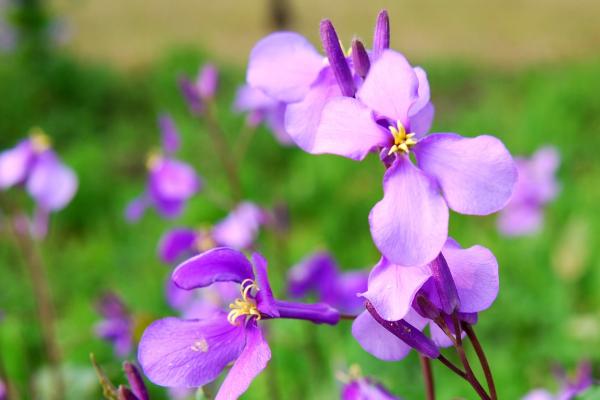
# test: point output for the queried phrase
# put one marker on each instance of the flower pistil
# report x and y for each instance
(246, 305)
(403, 141)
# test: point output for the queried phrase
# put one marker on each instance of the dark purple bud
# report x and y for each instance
(381, 37)
(319, 313)
(138, 387)
(337, 59)
(208, 80)
(191, 95)
(427, 309)
(125, 394)
(444, 284)
(360, 58)
(407, 333)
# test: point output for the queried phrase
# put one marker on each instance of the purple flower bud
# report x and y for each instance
(138, 387)
(170, 136)
(407, 333)
(208, 80)
(125, 394)
(191, 96)
(337, 59)
(445, 285)
(381, 37)
(360, 58)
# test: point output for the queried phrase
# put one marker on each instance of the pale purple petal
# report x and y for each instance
(438, 336)
(173, 180)
(284, 65)
(344, 295)
(207, 82)
(391, 87)
(539, 394)
(136, 207)
(169, 208)
(177, 298)
(240, 228)
(14, 164)
(365, 389)
(189, 353)
(392, 288)
(264, 296)
(421, 122)
(176, 243)
(250, 363)
(249, 98)
(170, 136)
(348, 129)
(476, 175)
(410, 224)
(217, 265)
(475, 273)
(51, 183)
(275, 120)
(423, 92)
(544, 165)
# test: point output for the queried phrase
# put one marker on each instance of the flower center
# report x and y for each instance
(403, 141)
(39, 140)
(246, 306)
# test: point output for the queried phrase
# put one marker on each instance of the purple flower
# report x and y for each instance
(238, 230)
(394, 292)
(262, 108)
(191, 353)
(570, 387)
(170, 182)
(136, 382)
(365, 389)
(536, 187)
(117, 325)
(197, 93)
(319, 273)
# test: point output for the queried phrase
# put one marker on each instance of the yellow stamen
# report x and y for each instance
(403, 141)
(246, 306)
(39, 140)
(153, 159)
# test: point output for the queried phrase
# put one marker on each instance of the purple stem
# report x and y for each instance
(319, 313)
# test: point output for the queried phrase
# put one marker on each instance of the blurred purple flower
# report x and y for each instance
(117, 324)
(170, 182)
(190, 353)
(319, 274)
(8, 34)
(201, 90)
(262, 108)
(238, 230)
(536, 186)
(365, 389)
(394, 292)
(570, 388)
(3, 391)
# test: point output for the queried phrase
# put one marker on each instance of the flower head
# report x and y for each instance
(201, 90)
(358, 387)
(117, 324)
(570, 387)
(191, 353)
(536, 187)
(170, 182)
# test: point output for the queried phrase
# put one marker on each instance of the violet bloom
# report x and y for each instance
(319, 274)
(237, 230)
(192, 353)
(262, 108)
(170, 182)
(536, 187)
(201, 90)
(117, 324)
(365, 389)
(394, 291)
(570, 387)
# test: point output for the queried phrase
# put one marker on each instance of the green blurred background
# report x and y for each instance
(525, 71)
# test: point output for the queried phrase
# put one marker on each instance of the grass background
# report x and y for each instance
(102, 121)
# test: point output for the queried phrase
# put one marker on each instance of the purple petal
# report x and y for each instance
(423, 91)
(381, 36)
(169, 208)
(410, 224)
(337, 58)
(475, 273)
(348, 129)
(284, 65)
(253, 359)
(317, 272)
(392, 288)
(14, 164)
(170, 136)
(173, 180)
(539, 394)
(421, 122)
(344, 295)
(240, 228)
(177, 298)
(365, 389)
(136, 382)
(275, 119)
(318, 313)
(264, 296)
(360, 58)
(208, 80)
(544, 164)
(302, 118)
(180, 353)
(217, 265)
(438, 336)
(51, 183)
(136, 207)
(248, 99)
(391, 87)
(476, 175)
(176, 243)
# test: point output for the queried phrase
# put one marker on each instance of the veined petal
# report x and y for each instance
(51, 183)
(175, 243)
(284, 65)
(392, 288)
(264, 296)
(410, 224)
(475, 273)
(391, 87)
(249, 364)
(348, 129)
(189, 353)
(221, 264)
(476, 175)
